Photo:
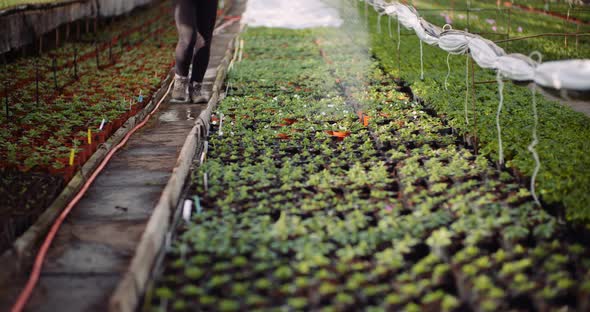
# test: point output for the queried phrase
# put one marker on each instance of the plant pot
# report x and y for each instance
(100, 137)
(93, 148)
(67, 172)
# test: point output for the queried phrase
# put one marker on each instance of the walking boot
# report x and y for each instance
(179, 91)
(198, 95)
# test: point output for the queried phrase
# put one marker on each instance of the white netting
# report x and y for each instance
(118, 7)
(568, 74)
(22, 26)
(559, 75)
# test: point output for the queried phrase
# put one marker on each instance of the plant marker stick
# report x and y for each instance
(221, 124)
(205, 150)
(140, 97)
(186, 210)
(102, 124)
(89, 136)
(72, 155)
(205, 182)
(197, 201)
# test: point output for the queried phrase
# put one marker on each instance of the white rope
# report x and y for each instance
(421, 61)
(448, 72)
(466, 88)
(532, 149)
(535, 141)
(559, 75)
(399, 36)
(389, 26)
(498, 127)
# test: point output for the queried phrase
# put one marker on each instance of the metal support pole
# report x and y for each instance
(78, 30)
(509, 25)
(75, 61)
(6, 90)
(67, 32)
(473, 104)
(6, 100)
(36, 81)
(97, 55)
(468, 15)
(111, 51)
(577, 37)
(54, 67)
(57, 37)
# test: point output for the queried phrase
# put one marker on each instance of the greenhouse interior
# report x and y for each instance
(281, 155)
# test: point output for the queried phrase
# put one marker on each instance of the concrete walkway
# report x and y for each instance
(98, 240)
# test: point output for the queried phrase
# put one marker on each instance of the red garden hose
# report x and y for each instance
(40, 258)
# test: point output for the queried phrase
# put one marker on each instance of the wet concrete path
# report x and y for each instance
(97, 241)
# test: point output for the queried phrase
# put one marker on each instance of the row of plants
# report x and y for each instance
(564, 176)
(41, 137)
(568, 8)
(42, 146)
(325, 187)
(112, 39)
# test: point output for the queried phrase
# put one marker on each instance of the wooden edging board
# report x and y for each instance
(133, 284)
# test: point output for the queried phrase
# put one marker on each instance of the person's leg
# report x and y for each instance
(186, 25)
(206, 12)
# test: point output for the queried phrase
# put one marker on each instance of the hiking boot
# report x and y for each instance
(179, 91)
(198, 95)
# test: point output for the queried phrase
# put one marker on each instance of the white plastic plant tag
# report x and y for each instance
(102, 124)
(187, 210)
(205, 150)
(205, 182)
(220, 124)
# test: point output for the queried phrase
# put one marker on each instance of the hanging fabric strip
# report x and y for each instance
(498, 127)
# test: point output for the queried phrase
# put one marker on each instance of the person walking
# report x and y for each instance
(195, 21)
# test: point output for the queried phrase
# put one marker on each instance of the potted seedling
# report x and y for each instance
(439, 241)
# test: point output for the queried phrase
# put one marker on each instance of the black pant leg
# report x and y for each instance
(206, 13)
(186, 25)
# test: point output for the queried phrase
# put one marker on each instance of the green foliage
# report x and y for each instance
(395, 214)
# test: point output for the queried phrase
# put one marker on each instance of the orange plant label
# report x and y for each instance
(366, 119)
